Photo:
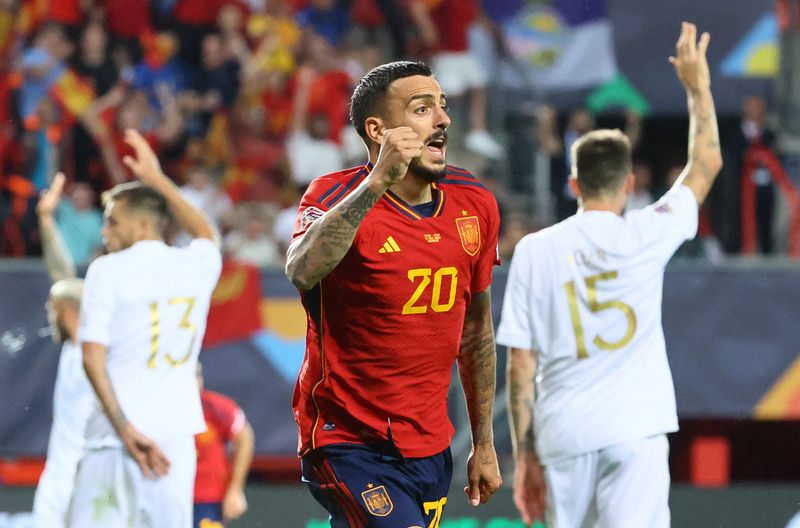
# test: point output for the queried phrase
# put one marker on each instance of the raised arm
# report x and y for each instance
(312, 256)
(56, 255)
(147, 168)
(530, 492)
(477, 368)
(705, 158)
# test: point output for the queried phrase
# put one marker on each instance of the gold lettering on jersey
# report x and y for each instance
(433, 237)
(595, 258)
(469, 230)
(437, 507)
(378, 501)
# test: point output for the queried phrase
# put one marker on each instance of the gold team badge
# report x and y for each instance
(377, 501)
(470, 232)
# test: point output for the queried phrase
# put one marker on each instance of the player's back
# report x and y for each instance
(156, 300)
(594, 311)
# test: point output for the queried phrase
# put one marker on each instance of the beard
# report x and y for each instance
(428, 174)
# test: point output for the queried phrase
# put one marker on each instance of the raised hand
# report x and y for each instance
(690, 60)
(398, 148)
(49, 199)
(145, 164)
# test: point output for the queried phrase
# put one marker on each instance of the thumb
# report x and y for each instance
(473, 493)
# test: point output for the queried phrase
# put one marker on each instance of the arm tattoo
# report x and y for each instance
(520, 395)
(327, 241)
(477, 366)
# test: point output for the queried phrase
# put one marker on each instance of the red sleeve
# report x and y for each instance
(311, 206)
(490, 253)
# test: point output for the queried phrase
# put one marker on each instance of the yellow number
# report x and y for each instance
(595, 307)
(437, 289)
(436, 296)
(184, 323)
(437, 507)
(425, 273)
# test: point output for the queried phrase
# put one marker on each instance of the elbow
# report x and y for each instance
(300, 280)
(716, 163)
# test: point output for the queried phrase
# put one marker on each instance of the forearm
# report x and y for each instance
(705, 158)
(327, 241)
(190, 218)
(477, 367)
(520, 372)
(94, 363)
(56, 255)
(242, 458)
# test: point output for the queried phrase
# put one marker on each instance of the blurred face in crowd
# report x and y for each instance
(198, 178)
(581, 121)
(642, 177)
(418, 102)
(213, 52)
(94, 40)
(319, 126)
(754, 109)
(82, 196)
(229, 19)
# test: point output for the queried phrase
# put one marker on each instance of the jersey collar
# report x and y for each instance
(402, 207)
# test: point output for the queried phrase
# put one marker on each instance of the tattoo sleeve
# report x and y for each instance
(520, 372)
(477, 366)
(328, 239)
(56, 255)
(705, 157)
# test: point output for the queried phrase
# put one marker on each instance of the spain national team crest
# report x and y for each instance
(470, 232)
(377, 501)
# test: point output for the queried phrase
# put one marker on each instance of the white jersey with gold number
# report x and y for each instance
(585, 294)
(148, 304)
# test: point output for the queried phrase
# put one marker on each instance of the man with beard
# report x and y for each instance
(73, 399)
(393, 261)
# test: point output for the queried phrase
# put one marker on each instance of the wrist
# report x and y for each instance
(377, 183)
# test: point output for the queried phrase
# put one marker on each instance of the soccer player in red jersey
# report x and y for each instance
(220, 479)
(393, 261)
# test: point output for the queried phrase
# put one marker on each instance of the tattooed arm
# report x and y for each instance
(705, 158)
(477, 368)
(530, 492)
(311, 257)
(56, 255)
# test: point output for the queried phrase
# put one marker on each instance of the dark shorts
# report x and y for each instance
(208, 515)
(362, 486)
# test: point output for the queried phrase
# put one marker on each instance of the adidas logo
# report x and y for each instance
(390, 246)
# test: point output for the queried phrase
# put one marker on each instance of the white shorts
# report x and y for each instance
(112, 491)
(621, 486)
(457, 73)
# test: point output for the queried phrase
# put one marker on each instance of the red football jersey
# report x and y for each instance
(384, 327)
(224, 421)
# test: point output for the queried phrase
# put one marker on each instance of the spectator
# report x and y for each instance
(251, 242)
(80, 223)
(42, 65)
(201, 191)
(161, 67)
(642, 184)
(444, 27)
(310, 152)
(326, 18)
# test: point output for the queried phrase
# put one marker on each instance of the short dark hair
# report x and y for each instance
(601, 160)
(371, 89)
(139, 198)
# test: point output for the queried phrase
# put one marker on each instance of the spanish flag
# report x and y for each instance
(73, 92)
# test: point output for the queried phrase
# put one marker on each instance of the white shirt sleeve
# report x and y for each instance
(515, 329)
(206, 251)
(671, 220)
(97, 304)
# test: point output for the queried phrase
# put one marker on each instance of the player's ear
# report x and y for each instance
(375, 128)
(573, 184)
(629, 182)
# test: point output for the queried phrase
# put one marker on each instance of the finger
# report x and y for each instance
(681, 39)
(473, 493)
(131, 163)
(135, 139)
(691, 41)
(705, 38)
(141, 459)
(58, 183)
(159, 462)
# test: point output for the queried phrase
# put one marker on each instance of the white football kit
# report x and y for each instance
(148, 304)
(73, 402)
(585, 296)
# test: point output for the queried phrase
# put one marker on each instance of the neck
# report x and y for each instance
(614, 204)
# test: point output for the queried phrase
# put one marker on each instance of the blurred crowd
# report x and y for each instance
(246, 101)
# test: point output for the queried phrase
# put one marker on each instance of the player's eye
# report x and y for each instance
(421, 109)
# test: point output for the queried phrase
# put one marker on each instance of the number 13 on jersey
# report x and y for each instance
(595, 306)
